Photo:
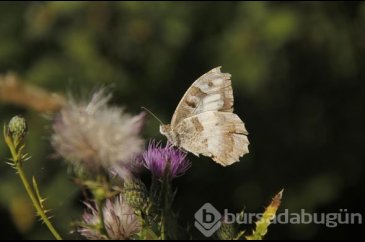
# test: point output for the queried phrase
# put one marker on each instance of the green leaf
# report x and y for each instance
(269, 214)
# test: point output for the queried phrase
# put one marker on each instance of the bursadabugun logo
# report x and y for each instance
(208, 220)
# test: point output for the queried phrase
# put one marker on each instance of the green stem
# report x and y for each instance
(102, 229)
(13, 152)
(32, 196)
(99, 190)
(165, 195)
(163, 215)
(163, 233)
(16, 154)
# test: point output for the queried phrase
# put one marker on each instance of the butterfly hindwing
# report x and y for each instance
(219, 135)
(210, 92)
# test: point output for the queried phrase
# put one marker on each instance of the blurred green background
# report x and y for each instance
(298, 72)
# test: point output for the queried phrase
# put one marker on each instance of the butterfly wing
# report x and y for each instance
(210, 92)
(219, 135)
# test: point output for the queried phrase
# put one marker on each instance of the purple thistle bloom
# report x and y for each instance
(157, 159)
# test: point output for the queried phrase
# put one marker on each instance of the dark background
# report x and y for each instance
(299, 84)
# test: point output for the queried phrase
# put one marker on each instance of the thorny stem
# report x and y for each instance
(36, 204)
(19, 169)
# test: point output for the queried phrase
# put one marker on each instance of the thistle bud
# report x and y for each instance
(136, 195)
(17, 129)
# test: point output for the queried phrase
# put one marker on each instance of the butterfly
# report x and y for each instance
(204, 123)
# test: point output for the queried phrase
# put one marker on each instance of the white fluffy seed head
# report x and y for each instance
(95, 135)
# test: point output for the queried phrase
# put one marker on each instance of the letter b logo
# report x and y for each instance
(208, 220)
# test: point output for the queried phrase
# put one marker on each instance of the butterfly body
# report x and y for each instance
(204, 122)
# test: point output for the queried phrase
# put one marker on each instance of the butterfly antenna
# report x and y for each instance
(159, 120)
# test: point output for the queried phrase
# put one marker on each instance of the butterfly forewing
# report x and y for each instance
(210, 92)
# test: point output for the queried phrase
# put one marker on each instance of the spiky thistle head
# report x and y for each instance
(136, 195)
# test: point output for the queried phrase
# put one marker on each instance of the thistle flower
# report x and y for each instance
(168, 160)
(120, 220)
(96, 135)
